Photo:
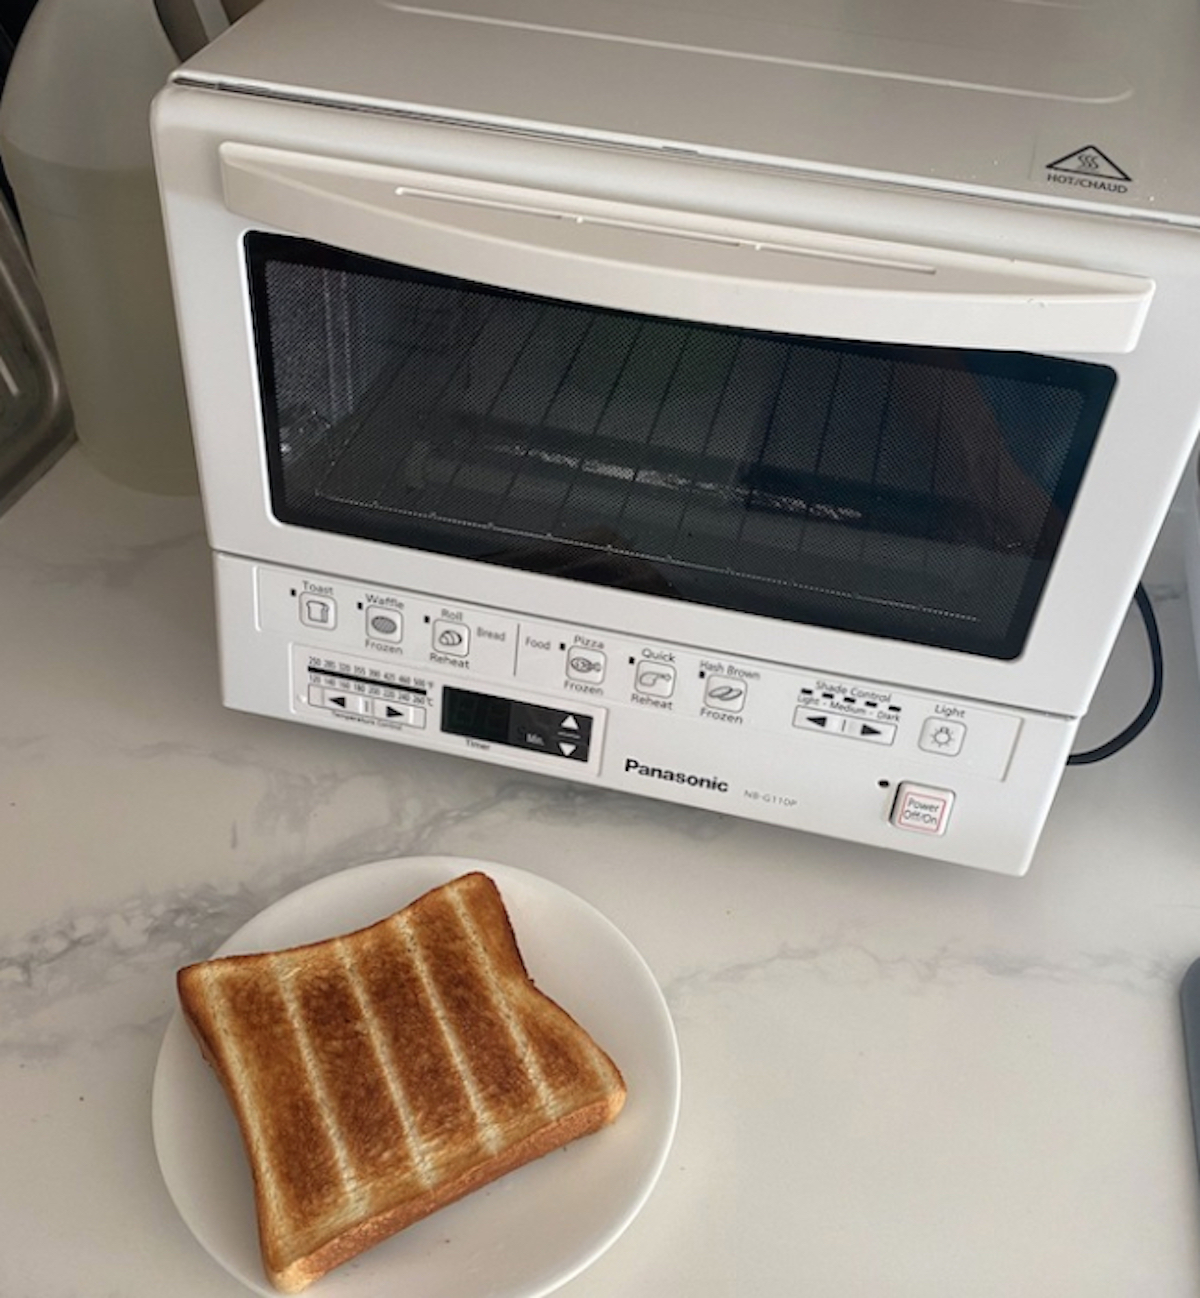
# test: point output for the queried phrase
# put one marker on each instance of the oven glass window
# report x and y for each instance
(904, 492)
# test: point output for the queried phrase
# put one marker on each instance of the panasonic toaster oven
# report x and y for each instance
(770, 412)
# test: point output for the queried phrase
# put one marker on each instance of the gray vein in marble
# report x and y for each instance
(292, 793)
(843, 961)
(118, 569)
(92, 977)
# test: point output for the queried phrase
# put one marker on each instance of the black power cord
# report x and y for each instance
(1150, 707)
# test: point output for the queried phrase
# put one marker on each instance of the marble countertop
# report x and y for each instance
(899, 1078)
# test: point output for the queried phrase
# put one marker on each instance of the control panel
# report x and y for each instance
(361, 691)
(789, 743)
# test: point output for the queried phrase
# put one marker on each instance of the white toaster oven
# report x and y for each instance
(769, 409)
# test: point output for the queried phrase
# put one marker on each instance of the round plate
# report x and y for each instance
(521, 1236)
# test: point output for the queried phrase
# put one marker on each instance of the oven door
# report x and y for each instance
(908, 493)
(873, 449)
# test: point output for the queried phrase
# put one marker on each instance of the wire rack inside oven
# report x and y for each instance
(868, 475)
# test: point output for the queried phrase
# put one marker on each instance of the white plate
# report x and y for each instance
(525, 1234)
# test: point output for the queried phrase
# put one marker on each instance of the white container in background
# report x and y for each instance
(75, 139)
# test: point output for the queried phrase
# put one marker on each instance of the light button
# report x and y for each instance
(922, 809)
(941, 736)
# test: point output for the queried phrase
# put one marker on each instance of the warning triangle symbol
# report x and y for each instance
(1089, 161)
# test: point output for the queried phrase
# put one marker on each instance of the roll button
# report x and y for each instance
(451, 638)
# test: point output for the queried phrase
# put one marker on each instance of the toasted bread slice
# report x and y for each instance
(379, 1076)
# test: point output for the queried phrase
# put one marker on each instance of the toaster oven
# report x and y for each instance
(769, 413)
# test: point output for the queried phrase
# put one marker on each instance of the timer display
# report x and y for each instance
(491, 719)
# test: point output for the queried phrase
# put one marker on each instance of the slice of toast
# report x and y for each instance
(379, 1076)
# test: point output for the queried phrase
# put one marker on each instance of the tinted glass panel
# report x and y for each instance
(905, 492)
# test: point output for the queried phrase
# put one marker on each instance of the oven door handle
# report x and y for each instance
(685, 266)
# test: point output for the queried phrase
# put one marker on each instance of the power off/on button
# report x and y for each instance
(922, 809)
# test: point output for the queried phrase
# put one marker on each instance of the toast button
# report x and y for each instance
(318, 610)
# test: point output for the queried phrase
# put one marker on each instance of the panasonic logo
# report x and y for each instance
(632, 765)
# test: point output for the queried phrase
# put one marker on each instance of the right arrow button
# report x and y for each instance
(874, 732)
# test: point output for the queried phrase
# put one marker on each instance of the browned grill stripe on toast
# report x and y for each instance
(466, 988)
(361, 1108)
(500, 959)
(212, 1020)
(485, 1134)
(285, 965)
(441, 1109)
(556, 1052)
(278, 1101)
(566, 1055)
(417, 1158)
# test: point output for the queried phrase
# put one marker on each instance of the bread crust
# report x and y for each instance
(379, 1076)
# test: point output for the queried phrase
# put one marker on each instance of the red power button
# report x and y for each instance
(922, 809)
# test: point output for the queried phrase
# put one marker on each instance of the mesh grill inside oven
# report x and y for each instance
(893, 491)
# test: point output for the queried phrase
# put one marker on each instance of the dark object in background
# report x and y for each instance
(35, 416)
(36, 425)
(14, 14)
(1189, 1004)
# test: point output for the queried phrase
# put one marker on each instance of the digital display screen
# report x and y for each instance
(477, 716)
(495, 720)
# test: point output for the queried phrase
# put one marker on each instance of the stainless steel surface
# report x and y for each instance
(35, 415)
